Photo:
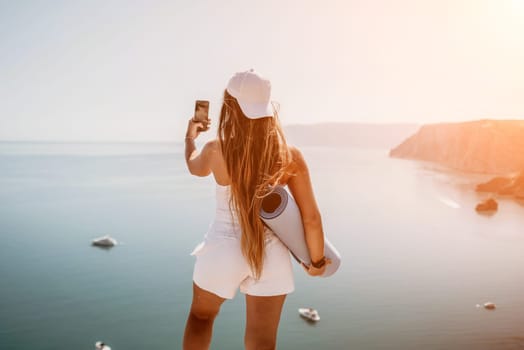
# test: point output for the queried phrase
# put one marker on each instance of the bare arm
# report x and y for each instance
(302, 190)
(198, 163)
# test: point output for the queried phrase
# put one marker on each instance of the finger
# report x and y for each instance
(196, 121)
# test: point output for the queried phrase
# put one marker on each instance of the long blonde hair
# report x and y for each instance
(257, 157)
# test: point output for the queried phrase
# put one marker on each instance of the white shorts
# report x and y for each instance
(221, 268)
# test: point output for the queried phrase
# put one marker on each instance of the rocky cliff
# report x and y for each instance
(483, 146)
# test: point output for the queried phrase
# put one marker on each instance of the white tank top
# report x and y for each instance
(225, 223)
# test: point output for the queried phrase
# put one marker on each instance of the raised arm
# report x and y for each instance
(198, 163)
(302, 190)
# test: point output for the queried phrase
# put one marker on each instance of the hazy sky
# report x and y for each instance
(131, 70)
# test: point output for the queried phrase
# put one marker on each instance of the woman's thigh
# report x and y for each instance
(205, 304)
(263, 317)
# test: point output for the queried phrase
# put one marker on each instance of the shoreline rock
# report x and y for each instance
(512, 186)
(489, 204)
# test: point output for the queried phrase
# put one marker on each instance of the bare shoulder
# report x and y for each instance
(201, 163)
(210, 148)
(297, 159)
(215, 158)
(211, 145)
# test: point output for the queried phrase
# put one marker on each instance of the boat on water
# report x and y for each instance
(488, 305)
(105, 241)
(101, 346)
(309, 314)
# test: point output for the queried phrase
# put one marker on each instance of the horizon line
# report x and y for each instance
(378, 124)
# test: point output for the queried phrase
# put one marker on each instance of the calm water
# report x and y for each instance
(417, 258)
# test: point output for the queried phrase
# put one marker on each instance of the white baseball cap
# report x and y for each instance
(253, 94)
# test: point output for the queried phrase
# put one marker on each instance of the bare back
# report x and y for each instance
(218, 165)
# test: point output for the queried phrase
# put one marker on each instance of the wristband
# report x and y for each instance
(320, 263)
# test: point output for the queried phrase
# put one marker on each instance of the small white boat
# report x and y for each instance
(489, 306)
(99, 345)
(104, 241)
(309, 314)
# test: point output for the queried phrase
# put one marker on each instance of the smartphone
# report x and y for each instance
(201, 112)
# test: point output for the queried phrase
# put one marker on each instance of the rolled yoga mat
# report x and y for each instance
(280, 212)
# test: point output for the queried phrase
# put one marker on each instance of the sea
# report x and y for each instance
(418, 262)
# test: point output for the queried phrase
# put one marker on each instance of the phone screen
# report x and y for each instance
(201, 110)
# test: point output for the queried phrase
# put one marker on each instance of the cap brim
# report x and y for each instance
(256, 110)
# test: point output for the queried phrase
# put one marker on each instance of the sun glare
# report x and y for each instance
(518, 5)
